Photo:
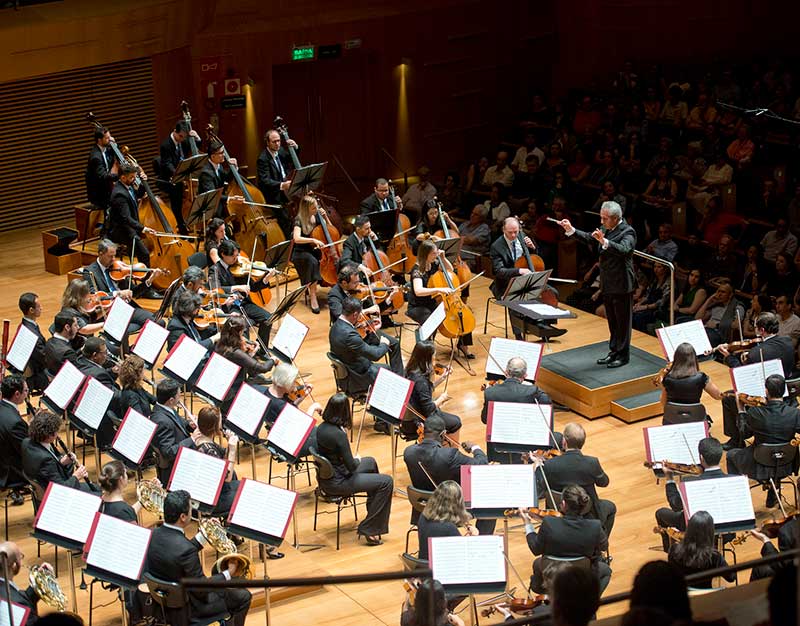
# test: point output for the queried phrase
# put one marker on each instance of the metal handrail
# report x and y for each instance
(656, 259)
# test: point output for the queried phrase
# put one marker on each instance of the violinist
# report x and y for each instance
(418, 614)
(284, 382)
(571, 535)
(234, 347)
(306, 251)
(102, 170)
(421, 302)
(173, 150)
(274, 175)
(421, 371)
(775, 422)
(184, 310)
(684, 383)
(443, 516)
(696, 553)
(710, 453)
(381, 199)
(31, 308)
(213, 176)
(429, 223)
(787, 540)
(77, 299)
(123, 214)
(770, 346)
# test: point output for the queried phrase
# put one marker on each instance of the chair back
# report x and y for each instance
(775, 455)
(411, 563)
(548, 561)
(168, 595)
(418, 498)
(198, 259)
(339, 372)
(793, 387)
(36, 489)
(169, 294)
(677, 413)
(322, 466)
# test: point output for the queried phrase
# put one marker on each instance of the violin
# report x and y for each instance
(332, 252)
(245, 267)
(659, 378)
(746, 399)
(739, 346)
(376, 260)
(120, 271)
(680, 468)
(540, 455)
(518, 605)
(362, 291)
(366, 325)
(300, 392)
(206, 317)
(211, 295)
(673, 533)
(491, 383)
(534, 512)
(98, 300)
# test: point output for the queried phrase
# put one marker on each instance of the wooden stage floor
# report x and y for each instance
(618, 445)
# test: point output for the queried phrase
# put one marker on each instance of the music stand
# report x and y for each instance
(384, 224)
(187, 167)
(204, 206)
(278, 257)
(527, 287)
(286, 305)
(306, 178)
(451, 247)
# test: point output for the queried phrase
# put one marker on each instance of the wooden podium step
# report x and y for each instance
(640, 407)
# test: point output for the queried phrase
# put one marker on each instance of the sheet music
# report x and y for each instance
(118, 318)
(430, 325)
(726, 499)
(675, 442)
(184, 357)
(291, 429)
(199, 474)
(467, 560)
(290, 336)
(390, 393)
(108, 534)
(20, 351)
(134, 436)
(64, 385)
(67, 512)
(545, 309)
(263, 508)
(248, 408)
(692, 332)
(504, 349)
(19, 613)
(750, 378)
(501, 486)
(217, 376)
(520, 422)
(93, 402)
(150, 342)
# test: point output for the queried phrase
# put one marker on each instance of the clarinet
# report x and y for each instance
(72, 456)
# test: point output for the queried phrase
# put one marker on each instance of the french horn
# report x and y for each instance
(216, 535)
(46, 586)
(151, 496)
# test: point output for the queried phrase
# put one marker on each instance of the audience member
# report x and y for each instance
(419, 194)
(528, 148)
(500, 172)
(665, 246)
(660, 585)
(719, 313)
(779, 240)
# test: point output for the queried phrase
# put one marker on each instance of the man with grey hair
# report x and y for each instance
(615, 242)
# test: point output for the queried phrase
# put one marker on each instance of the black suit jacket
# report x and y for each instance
(775, 347)
(27, 598)
(674, 496)
(208, 180)
(13, 429)
(169, 156)
(512, 390)
(617, 276)
(178, 327)
(104, 376)
(123, 214)
(371, 204)
(568, 536)
(98, 176)
(351, 251)
(98, 278)
(502, 265)
(56, 351)
(38, 362)
(574, 468)
(357, 354)
(41, 466)
(220, 276)
(269, 176)
(171, 430)
(442, 463)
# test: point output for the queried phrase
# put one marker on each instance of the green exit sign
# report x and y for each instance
(302, 53)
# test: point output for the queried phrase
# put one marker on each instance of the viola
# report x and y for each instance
(459, 319)
(534, 511)
(491, 383)
(366, 325)
(659, 378)
(362, 291)
(332, 252)
(673, 533)
(98, 300)
(680, 468)
(540, 454)
(746, 399)
(244, 267)
(376, 260)
(518, 605)
(205, 318)
(120, 271)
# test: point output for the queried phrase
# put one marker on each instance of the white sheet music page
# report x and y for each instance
(248, 408)
(467, 560)
(19, 613)
(291, 429)
(290, 336)
(692, 332)
(520, 422)
(674, 442)
(64, 385)
(184, 357)
(118, 319)
(21, 348)
(103, 547)
(92, 403)
(433, 322)
(390, 393)
(199, 474)
(726, 499)
(503, 349)
(263, 508)
(67, 512)
(499, 486)
(150, 342)
(750, 378)
(545, 309)
(218, 376)
(134, 436)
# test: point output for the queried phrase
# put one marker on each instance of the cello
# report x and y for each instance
(332, 252)
(462, 269)
(533, 263)
(459, 319)
(376, 260)
(399, 246)
(190, 188)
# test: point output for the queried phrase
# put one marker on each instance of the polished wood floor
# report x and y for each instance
(618, 445)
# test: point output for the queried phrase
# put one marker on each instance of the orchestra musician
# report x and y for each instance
(417, 615)
(26, 597)
(685, 383)
(284, 382)
(31, 308)
(123, 214)
(771, 346)
(234, 347)
(696, 553)
(353, 474)
(443, 516)
(113, 481)
(358, 355)
(571, 535)
(102, 170)
(775, 422)
(214, 176)
(306, 251)
(184, 310)
(92, 361)
(429, 223)
(76, 299)
(420, 371)
(44, 464)
(193, 281)
(216, 233)
(171, 427)
(171, 556)
(209, 427)
(787, 540)
(275, 168)
(172, 151)
(710, 453)
(13, 430)
(59, 348)
(133, 393)
(504, 253)
(615, 243)
(381, 199)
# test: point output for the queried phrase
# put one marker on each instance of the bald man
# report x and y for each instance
(27, 597)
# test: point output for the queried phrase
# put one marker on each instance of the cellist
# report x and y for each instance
(213, 176)
(123, 215)
(274, 171)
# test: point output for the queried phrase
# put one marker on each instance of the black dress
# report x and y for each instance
(306, 256)
(421, 307)
(715, 560)
(120, 510)
(229, 488)
(422, 401)
(686, 390)
(429, 529)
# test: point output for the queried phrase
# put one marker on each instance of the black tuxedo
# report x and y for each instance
(776, 422)
(98, 176)
(38, 362)
(575, 468)
(178, 327)
(170, 157)
(103, 375)
(124, 226)
(502, 266)
(107, 429)
(56, 351)
(26, 597)
(220, 276)
(13, 429)
(672, 517)
(209, 179)
(269, 182)
(617, 282)
(360, 356)
(104, 282)
(172, 556)
(41, 466)
(353, 250)
(171, 430)
(371, 203)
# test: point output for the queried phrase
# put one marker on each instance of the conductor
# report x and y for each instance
(616, 241)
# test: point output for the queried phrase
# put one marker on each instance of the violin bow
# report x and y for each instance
(252, 260)
(363, 417)
(739, 322)
(452, 441)
(430, 478)
(516, 573)
(549, 430)
(130, 275)
(778, 496)
(689, 448)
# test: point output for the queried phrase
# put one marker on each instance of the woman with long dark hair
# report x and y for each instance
(233, 345)
(684, 383)
(691, 297)
(420, 371)
(696, 553)
(216, 233)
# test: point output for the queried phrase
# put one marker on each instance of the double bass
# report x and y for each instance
(332, 252)
(399, 246)
(190, 188)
